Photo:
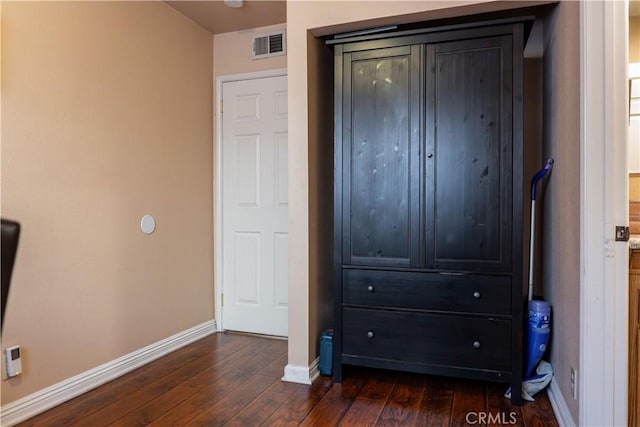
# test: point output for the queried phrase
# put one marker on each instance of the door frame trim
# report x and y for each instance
(602, 386)
(217, 180)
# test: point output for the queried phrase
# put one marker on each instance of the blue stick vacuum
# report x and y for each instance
(539, 323)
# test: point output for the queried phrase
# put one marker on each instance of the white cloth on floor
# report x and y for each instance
(530, 386)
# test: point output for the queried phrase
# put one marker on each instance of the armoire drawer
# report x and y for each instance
(429, 339)
(427, 291)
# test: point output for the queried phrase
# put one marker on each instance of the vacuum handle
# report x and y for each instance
(538, 176)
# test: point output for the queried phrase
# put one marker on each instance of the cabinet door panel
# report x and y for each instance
(380, 152)
(469, 175)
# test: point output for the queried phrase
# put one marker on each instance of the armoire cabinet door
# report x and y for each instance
(468, 166)
(380, 156)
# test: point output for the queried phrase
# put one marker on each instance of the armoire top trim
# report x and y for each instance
(373, 35)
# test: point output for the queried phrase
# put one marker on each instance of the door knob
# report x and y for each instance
(370, 334)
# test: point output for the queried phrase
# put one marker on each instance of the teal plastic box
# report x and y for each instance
(326, 352)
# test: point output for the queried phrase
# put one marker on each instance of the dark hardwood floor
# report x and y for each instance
(234, 379)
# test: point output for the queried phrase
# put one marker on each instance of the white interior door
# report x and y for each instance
(254, 206)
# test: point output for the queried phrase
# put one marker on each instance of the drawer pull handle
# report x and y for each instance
(476, 344)
(370, 288)
(476, 295)
(370, 334)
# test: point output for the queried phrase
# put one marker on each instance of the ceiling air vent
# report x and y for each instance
(271, 44)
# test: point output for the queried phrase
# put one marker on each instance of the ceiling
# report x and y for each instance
(216, 17)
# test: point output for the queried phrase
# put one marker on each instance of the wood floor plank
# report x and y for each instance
(539, 413)
(138, 397)
(378, 386)
(155, 408)
(363, 412)
(245, 363)
(235, 342)
(335, 403)
(259, 411)
(191, 407)
(169, 376)
(500, 407)
(294, 410)
(436, 402)
(215, 383)
(370, 401)
(468, 398)
(234, 402)
(119, 408)
(234, 379)
(83, 405)
(276, 368)
(404, 403)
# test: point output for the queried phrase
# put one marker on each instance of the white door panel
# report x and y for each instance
(254, 206)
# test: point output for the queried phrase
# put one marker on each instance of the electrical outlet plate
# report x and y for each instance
(14, 361)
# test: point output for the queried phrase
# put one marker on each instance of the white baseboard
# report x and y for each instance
(559, 405)
(40, 401)
(314, 369)
(302, 374)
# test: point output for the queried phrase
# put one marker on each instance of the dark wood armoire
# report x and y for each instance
(428, 201)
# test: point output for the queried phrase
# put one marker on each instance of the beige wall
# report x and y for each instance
(320, 79)
(308, 290)
(232, 53)
(533, 125)
(107, 116)
(561, 214)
